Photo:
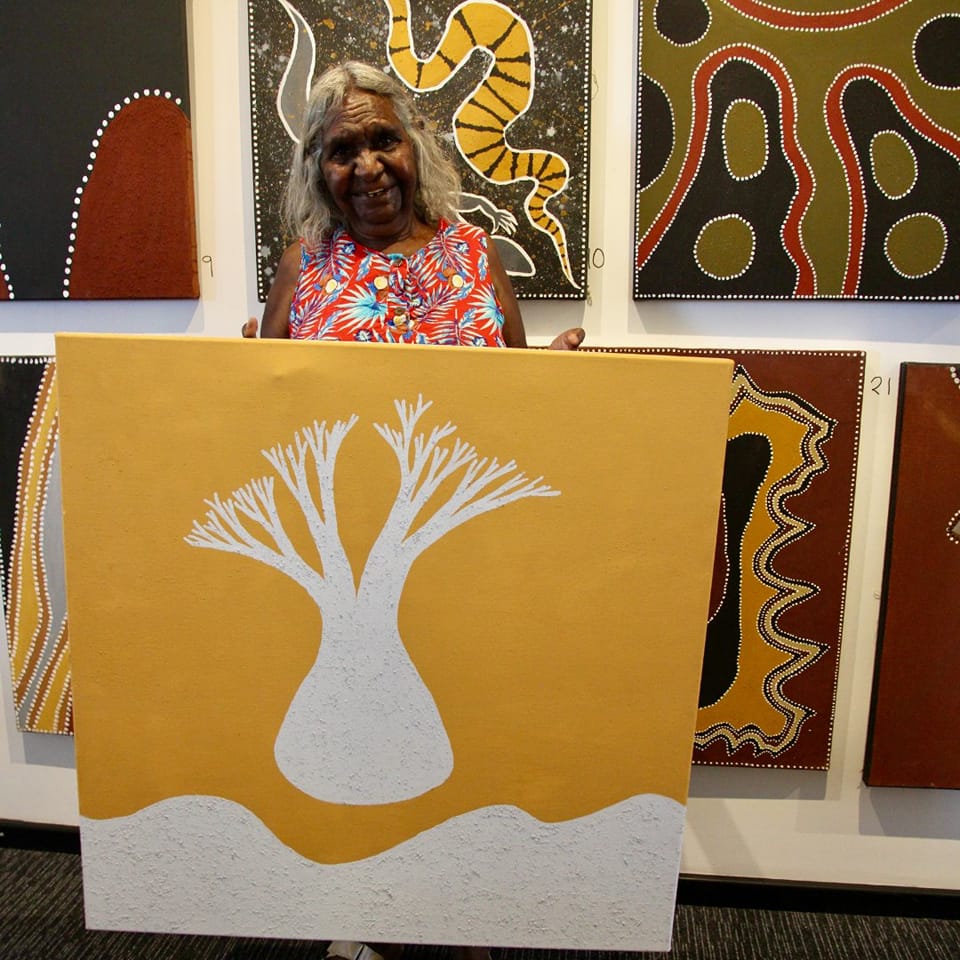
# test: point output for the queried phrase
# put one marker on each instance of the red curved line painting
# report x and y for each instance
(792, 241)
(814, 20)
(840, 135)
(135, 234)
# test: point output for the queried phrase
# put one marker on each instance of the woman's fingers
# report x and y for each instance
(569, 339)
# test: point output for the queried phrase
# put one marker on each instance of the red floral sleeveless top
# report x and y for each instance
(441, 294)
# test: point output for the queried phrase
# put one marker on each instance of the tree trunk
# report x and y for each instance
(363, 728)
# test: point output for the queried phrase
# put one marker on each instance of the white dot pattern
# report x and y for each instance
(85, 178)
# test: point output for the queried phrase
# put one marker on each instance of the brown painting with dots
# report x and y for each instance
(798, 150)
(507, 86)
(769, 681)
(31, 546)
(96, 167)
(912, 740)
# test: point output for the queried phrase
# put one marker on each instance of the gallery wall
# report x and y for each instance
(782, 824)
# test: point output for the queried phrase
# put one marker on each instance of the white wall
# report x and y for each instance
(742, 822)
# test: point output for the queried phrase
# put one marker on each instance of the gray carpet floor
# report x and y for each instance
(41, 918)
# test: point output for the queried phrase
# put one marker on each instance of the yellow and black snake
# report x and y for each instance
(505, 93)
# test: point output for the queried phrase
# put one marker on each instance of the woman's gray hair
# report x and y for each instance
(308, 210)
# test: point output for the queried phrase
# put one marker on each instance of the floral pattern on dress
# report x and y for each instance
(442, 294)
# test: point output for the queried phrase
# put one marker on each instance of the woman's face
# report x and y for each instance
(368, 165)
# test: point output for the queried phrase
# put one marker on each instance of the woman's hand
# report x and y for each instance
(250, 328)
(568, 340)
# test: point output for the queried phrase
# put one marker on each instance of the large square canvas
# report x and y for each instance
(364, 649)
(798, 150)
(31, 546)
(768, 689)
(916, 694)
(96, 161)
(507, 85)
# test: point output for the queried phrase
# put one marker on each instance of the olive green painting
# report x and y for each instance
(798, 150)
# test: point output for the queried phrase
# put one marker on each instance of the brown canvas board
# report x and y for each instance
(916, 694)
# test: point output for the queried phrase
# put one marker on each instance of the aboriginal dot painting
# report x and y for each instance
(800, 149)
(96, 168)
(768, 686)
(912, 740)
(31, 546)
(506, 84)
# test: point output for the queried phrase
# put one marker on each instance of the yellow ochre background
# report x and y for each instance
(561, 637)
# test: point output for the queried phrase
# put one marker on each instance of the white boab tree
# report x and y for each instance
(362, 728)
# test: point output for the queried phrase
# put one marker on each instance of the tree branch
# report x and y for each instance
(465, 502)
(430, 467)
(224, 530)
(400, 442)
(426, 454)
(290, 464)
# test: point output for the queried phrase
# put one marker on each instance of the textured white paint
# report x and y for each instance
(207, 865)
(362, 728)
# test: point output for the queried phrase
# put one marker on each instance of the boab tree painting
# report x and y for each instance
(363, 728)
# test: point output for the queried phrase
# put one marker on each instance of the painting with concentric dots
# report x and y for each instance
(96, 168)
(31, 546)
(507, 85)
(912, 738)
(798, 150)
(768, 686)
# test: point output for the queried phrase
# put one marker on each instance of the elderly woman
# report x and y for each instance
(381, 254)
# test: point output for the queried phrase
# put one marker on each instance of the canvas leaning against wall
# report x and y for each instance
(31, 546)
(786, 151)
(507, 85)
(916, 696)
(386, 661)
(769, 682)
(96, 162)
